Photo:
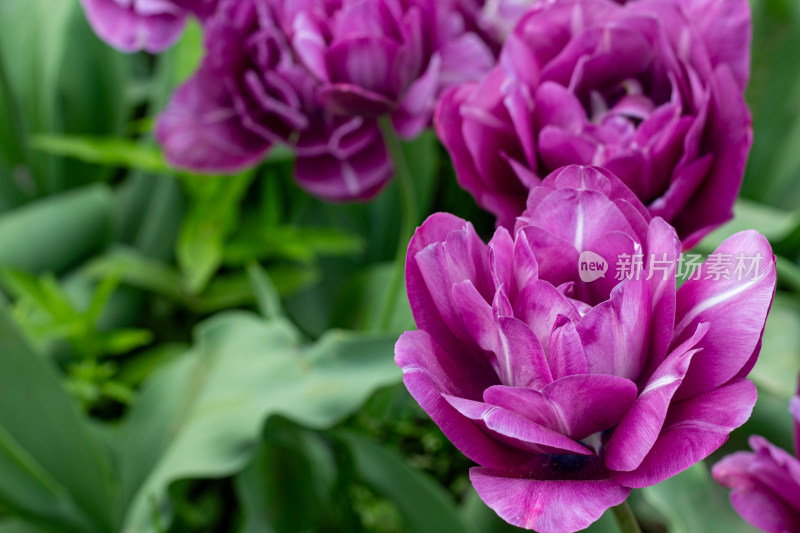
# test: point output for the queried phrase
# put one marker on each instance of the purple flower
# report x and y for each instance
(315, 75)
(569, 396)
(651, 90)
(250, 93)
(395, 57)
(151, 25)
(493, 20)
(766, 482)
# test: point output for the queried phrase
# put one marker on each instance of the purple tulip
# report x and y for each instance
(493, 20)
(651, 90)
(394, 57)
(315, 75)
(766, 482)
(151, 25)
(250, 93)
(568, 396)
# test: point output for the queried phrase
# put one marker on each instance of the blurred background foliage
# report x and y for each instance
(199, 353)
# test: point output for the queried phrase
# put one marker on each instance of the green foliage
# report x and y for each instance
(694, 503)
(140, 392)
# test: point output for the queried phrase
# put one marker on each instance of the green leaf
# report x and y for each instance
(774, 223)
(301, 244)
(423, 503)
(359, 302)
(33, 73)
(293, 484)
(780, 351)
(772, 169)
(692, 502)
(55, 233)
(110, 151)
(269, 302)
(213, 213)
(202, 415)
(139, 271)
(52, 468)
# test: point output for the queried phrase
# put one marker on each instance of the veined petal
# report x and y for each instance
(542, 497)
(428, 373)
(736, 309)
(515, 430)
(640, 428)
(692, 431)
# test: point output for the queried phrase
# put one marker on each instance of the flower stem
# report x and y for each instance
(410, 213)
(626, 520)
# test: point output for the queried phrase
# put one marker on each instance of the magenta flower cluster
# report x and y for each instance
(592, 130)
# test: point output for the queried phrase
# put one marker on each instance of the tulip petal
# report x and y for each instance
(661, 262)
(124, 27)
(616, 333)
(638, 431)
(428, 372)
(753, 500)
(515, 430)
(522, 358)
(566, 356)
(537, 499)
(201, 130)
(539, 305)
(692, 431)
(736, 308)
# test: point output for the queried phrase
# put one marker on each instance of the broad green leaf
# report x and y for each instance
(774, 223)
(33, 72)
(423, 503)
(780, 354)
(149, 211)
(360, 301)
(201, 416)
(692, 502)
(108, 151)
(294, 484)
(52, 468)
(54, 233)
(772, 170)
(94, 96)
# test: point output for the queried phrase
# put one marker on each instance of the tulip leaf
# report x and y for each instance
(774, 223)
(425, 506)
(692, 502)
(358, 303)
(296, 482)
(54, 233)
(212, 215)
(201, 415)
(780, 351)
(52, 468)
(110, 151)
(32, 73)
